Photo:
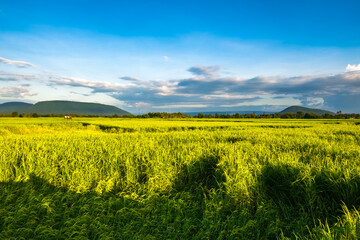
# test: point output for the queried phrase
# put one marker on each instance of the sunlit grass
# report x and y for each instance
(186, 178)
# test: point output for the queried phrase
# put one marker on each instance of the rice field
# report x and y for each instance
(103, 178)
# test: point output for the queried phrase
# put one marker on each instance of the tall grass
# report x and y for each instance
(189, 178)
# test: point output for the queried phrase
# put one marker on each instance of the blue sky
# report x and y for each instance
(182, 55)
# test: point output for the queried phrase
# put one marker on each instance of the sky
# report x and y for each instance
(188, 56)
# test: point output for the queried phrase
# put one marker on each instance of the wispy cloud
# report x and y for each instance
(96, 86)
(16, 92)
(14, 77)
(131, 79)
(206, 71)
(17, 63)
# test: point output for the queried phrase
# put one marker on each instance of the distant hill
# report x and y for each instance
(295, 109)
(68, 107)
(10, 107)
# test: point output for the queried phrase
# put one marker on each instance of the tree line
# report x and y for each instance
(289, 115)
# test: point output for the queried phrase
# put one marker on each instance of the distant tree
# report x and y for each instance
(288, 115)
(300, 115)
(14, 114)
(311, 115)
(200, 115)
(327, 115)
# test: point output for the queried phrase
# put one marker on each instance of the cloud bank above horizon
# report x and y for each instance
(205, 90)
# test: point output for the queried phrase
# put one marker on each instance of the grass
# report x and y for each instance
(179, 179)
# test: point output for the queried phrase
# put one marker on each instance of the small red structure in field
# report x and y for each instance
(67, 117)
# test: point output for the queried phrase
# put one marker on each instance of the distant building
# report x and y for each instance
(67, 117)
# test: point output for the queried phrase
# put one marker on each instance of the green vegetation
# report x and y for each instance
(117, 178)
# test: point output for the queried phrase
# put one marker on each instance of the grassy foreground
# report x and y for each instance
(179, 179)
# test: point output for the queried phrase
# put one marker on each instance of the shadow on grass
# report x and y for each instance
(289, 200)
(203, 174)
(318, 193)
(36, 209)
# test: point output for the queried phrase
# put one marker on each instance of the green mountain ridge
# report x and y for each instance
(10, 107)
(295, 109)
(62, 107)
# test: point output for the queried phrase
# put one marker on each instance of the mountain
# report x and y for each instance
(10, 107)
(295, 109)
(69, 107)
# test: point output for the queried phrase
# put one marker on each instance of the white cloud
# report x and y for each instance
(15, 92)
(314, 101)
(351, 68)
(21, 64)
(166, 58)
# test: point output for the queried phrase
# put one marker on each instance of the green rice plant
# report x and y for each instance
(179, 178)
